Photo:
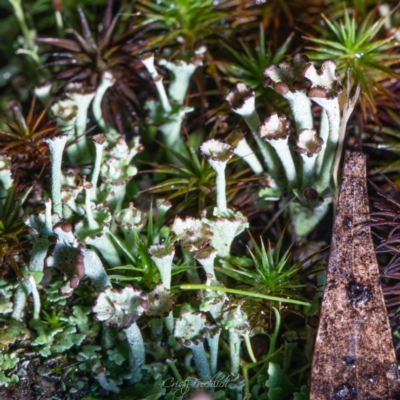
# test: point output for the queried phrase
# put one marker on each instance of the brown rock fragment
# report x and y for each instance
(354, 356)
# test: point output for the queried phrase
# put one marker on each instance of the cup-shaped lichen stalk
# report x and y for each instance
(308, 145)
(40, 227)
(287, 79)
(182, 72)
(162, 206)
(93, 229)
(35, 296)
(5, 175)
(163, 257)
(218, 154)
(241, 100)
(224, 229)
(276, 131)
(65, 112)
(190, 331)
(92, 224)
(56, 146)
(244, 151)
(99, 373)
(65, 256)
(130, 220)
(235, 321)
(213, 301)
(42, 92)
(99, 142)
(121, 308)
(94, 268)
(193, 234)
(325, 89)
(214, 333)
(82, 97)
(159, 304)
(107, 81)
(71, 188)
(148, 61)
(206, 258)
(116, 171)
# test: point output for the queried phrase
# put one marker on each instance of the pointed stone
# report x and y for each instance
(354, 356)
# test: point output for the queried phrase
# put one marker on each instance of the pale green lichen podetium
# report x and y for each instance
(169, 111)
(56, 146)
(107, 81)
(121, 308)
(275, 130)
(325, 89)
(241, 100)
(218, 154)
(190, 331)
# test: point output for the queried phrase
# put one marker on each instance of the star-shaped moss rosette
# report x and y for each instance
(66, 257)
(275, 130)
(218, 153)
(190, 331)
(193, 234)
(212, 300)
(224, 228)
(121, 308)
(163, 257)
(309, 144)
